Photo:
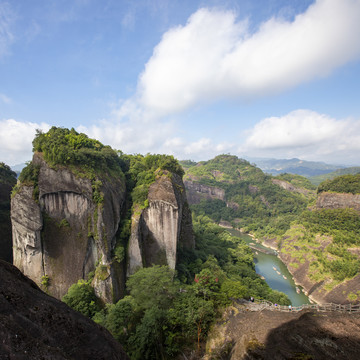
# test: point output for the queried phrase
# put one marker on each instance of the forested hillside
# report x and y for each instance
(321, 245)
(252, 201)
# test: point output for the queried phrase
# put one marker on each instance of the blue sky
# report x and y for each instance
(271, 78)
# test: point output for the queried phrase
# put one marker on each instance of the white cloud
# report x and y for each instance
(215, 56)
(16, 140)
(305, 134)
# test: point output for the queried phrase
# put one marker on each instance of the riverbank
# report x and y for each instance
(271, 268)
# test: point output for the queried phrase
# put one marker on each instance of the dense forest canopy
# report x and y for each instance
(342, 184)
(7, 176)
(256, 204)
(61, 146)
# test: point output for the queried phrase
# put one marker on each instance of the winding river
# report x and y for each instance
(273, 270)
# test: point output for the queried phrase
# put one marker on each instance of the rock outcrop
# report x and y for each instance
(34, 325)
(290, 187)
(265, 334)
(158, 230)
(59, 230)
(196, 192)
(329, 200)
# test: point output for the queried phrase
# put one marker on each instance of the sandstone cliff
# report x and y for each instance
(160, 228)
(196, 192)
(7, 181)
(290, 187)
(330, 200)
(36, 326)
(61, 232)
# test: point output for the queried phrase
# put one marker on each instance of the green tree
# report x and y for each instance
(81, 297)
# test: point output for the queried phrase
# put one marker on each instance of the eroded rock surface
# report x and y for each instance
(61, 232)
(265, 334)
(327, 200)
(34, 325)
(196, 192)
(163, 226)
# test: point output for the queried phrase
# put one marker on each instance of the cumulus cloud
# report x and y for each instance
(16, 140)
(215, 56)
(305, 134)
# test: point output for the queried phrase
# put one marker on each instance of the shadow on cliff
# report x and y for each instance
(312, 336)
(34, 325)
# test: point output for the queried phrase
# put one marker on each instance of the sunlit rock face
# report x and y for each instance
(59, 230)
(327, 200)
(162, 227)
(197, 192)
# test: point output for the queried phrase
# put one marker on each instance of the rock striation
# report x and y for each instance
(158, 230)
(329, 200)
(61, 233)
(34, 325)
(196, 192)
(59, 230)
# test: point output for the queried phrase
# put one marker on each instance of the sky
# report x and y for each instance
(191, 78)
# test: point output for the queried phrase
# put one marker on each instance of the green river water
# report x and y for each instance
(279, 278)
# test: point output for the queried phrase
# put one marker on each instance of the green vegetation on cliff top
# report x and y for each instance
(342, 184)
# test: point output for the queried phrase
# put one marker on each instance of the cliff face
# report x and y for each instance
(196, 192)
(290, 187)
(7, 181)
(327, 200)
(34, 325)
(64, 233)
(61, 232)
(164, 225)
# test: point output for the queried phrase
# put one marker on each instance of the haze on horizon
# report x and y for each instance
(273, 79)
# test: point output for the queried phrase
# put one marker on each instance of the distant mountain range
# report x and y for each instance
(294, 166)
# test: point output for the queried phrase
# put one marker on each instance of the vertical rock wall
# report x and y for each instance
(163, 226)
(64, 234)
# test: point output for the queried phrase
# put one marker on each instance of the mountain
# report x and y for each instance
(316, 180)
(316, 235)
(294, 166)
(34, 325)
(72, 208)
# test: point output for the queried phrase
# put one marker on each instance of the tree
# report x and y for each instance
(81, 297)
(153, 286)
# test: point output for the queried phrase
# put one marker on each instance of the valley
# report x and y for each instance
(152, 250)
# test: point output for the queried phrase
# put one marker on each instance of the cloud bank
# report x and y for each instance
(16, 140)
(215, 56)
(307, 135)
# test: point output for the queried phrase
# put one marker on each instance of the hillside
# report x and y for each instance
(316, 180)
(318, 243)
(250, 199)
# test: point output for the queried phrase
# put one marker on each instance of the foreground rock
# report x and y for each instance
(34, 325)
(272, 335)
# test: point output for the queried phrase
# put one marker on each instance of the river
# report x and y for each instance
(274, 271)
